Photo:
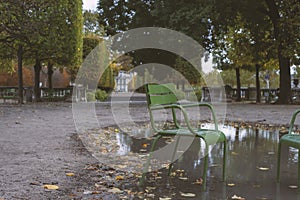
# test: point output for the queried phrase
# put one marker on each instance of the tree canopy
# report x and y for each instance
(48, 31)
(239, 33)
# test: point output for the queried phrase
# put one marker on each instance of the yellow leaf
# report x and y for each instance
(145, 145)
(51, 187)
(231, 184)
(118, 178)
(116, 130)
(70, 174)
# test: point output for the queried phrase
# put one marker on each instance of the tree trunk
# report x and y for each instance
(257, 83)
(37, 70)
(285, 94)
(280, 35)
(238, 84)
(20, 73)
(50, 73)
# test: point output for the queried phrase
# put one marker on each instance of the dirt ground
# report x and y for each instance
(39, 146)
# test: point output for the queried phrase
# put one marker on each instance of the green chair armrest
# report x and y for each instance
(176, 106)
(293, 121)
(204, 105)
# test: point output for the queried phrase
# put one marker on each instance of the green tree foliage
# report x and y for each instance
(269, 28)
(117, 16)
(43, 32)
(106, 81)
(91, 24)
(274, 31)
(187, 70)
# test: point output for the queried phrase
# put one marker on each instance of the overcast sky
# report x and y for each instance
(90, 4)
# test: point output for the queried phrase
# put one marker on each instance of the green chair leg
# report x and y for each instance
(224, 160)
(278, 162)
(298, 170)
(146, 167)
(205, 172)
(205, 168)
(173, 155)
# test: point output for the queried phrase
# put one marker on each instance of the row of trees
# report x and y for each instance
(251, 34)
(40, 32)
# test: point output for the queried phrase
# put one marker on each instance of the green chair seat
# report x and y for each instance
(291, 140)
(161, 97)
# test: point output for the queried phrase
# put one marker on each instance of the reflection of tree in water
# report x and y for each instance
(248, 149)
(248, 153)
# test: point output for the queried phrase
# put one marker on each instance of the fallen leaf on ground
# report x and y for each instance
(187, 194)
(231, 184)
(237, 197)
(51, 187)
(293, 186)
(115, 191)
(145, 145)
(263, 168)
(165, 198)
(70, 174)
(183, 178)
(198, 182)
(91, 167)
(118, 178)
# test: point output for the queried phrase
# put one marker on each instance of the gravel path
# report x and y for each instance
(39, 145)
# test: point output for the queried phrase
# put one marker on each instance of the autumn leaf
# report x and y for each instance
(115, 191)
(145, 145)
(198, 182)
(183, 178)
(187, 194)
(237, 197)
(231, 184)
(70, 174)
(293, 186)
(118, 178)
(263, 168)
(51, 187)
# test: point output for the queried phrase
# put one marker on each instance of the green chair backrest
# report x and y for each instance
(160, 94)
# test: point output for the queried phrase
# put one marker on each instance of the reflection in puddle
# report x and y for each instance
(251, 166)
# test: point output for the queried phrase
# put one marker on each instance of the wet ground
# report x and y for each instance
(39, 146)
(251, 168)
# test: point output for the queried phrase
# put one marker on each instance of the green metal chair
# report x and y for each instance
(291, 140)
(161, 97)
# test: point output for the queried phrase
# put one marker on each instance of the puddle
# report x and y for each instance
(251, 167)
(251, 164)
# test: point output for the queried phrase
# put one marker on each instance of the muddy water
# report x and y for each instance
(251, 167)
